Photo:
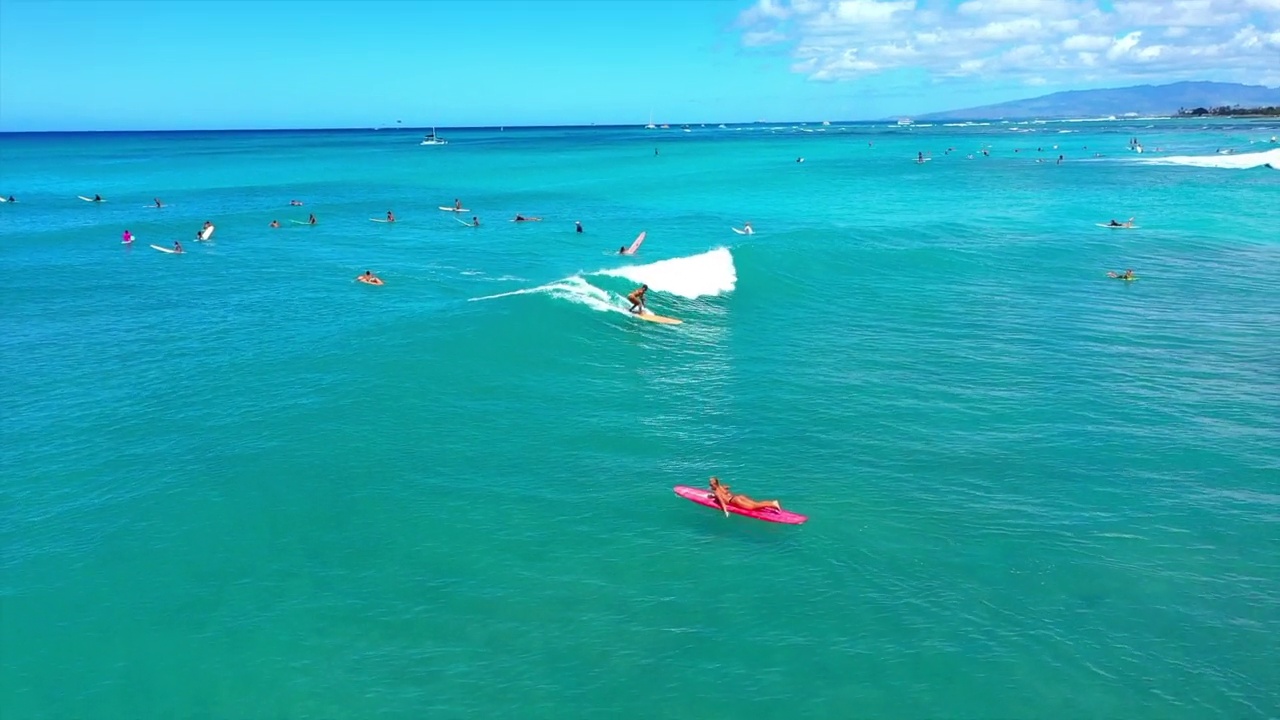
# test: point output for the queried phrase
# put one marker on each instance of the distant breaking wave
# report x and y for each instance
(707, 274)
(1241, 161)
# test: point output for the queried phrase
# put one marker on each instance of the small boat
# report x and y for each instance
(433, 139)
(650, 126)
(904, 122)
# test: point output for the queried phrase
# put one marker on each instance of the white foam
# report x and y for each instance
(1241, 161)
(574, 289)
(708, 274)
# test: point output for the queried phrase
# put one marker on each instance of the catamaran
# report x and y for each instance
(433, 139)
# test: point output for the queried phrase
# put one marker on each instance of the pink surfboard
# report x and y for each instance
(635, 245)
(703, 496)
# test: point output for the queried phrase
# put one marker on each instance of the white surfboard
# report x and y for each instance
(171, 251)
(4, 199)
(206, 233)
(129, 241)
(743, 232)
(464, 222)
(299, 222)
(383, 220)
(1117, 227)
(89, 199)
(453, 209)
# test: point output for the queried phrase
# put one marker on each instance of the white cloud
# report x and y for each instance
(1036, 41)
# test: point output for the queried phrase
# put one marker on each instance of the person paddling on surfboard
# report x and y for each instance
(1127, 223)
(370, 278)
(637, 298)
(725, 498)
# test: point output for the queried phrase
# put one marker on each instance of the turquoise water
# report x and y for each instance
(236, 484)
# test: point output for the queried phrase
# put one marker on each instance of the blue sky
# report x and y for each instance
(187, 64)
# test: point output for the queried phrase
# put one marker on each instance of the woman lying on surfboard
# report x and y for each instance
(726, 498)
(521, 218)
(1127, 223)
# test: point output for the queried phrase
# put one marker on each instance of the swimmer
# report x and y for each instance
(275, 224)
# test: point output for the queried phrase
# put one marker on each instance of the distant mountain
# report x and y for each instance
(1140, 99)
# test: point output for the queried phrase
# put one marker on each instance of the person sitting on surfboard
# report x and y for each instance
(726, 498)
(390, 217)
(97, 198)
(177, 246)
(637, 299)
(311, 219)
(475, 221)
(158, 203)
(275, 223)
(128, 237)
(457, 204)
(369, 277)
(578, 225)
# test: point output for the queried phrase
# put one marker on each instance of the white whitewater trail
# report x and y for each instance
(1234, 161)
(704, 275)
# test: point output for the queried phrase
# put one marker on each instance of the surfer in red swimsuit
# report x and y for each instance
(637, 299)
(726, 498)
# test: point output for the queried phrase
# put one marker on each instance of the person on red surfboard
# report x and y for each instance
(726, 498)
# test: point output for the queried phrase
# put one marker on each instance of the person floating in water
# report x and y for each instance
(390, 216)
(725, 498)
(637, 298)
(275, 223)
(311, 218)
(1125, 224)
(369, 278)
(1126, 275)
(578, 225)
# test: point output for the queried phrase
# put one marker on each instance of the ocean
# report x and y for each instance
(234, 483)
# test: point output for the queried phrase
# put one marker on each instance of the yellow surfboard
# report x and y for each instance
(658, 319)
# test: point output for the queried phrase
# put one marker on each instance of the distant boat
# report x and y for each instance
(433, 139)
(903, 122)
(650, 126)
